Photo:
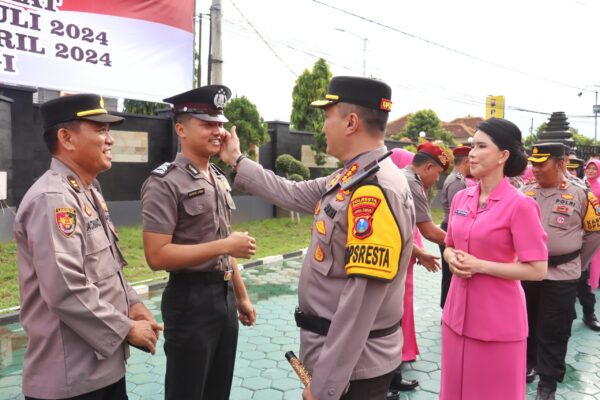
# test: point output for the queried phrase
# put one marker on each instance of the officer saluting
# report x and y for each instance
(571, 218)
(352, 280)
(187, 208)
(76, 307)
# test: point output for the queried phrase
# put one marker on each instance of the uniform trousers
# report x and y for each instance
(201, 329)
(116, 391)
(446, 274)
(587, 299)
(550, 314)
(369, 389)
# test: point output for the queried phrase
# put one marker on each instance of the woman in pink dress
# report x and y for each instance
(593, 179)
(494, 240)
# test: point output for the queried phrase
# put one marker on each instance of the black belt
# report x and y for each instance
(553, 261)
(320, 326)
(200, 277)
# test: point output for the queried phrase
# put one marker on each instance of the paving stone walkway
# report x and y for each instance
(261, 371)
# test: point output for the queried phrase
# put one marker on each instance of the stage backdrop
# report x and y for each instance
(138, 49)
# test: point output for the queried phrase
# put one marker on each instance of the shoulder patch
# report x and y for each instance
(591, 221)
(163, 169)
(66, 220)
(374, 243)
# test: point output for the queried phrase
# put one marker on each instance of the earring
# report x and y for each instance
(499, 162)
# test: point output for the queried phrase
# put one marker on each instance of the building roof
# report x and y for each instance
(460, 128)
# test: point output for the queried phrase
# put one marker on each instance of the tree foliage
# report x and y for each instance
(291, 168)
(142, 107)
(250, 126)
(426, 121)
(310, 86)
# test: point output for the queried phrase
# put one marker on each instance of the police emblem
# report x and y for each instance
(560, 220)
(66, 220)
(341, 195)
(220, 99)
(318, 208)
(319, 255)
(363, 209)
(87, 210)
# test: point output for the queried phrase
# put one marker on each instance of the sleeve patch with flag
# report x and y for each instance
(374, 242)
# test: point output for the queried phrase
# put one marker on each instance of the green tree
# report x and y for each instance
(250, 126)
(426, 121)
(310, 86)
(291, 168)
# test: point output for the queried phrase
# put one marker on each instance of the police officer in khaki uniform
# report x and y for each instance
(187, 208)
(352, 280)
(76, 306)
(571, 218)
(454, 183)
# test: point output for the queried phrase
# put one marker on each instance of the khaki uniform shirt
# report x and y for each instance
(74, 298)
(454, 183)
(179, 200)
(355, 305)
(570, 218)
(422, 210)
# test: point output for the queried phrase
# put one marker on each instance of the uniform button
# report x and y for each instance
(331, 392)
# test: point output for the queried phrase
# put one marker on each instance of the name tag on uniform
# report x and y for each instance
(195, 193)
(562, 209)
(464, 213)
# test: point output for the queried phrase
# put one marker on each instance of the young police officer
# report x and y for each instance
(78, 310)
(571, 218)
(186, 215)
(352, 281)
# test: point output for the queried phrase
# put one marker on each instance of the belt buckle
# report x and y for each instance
(227, 275)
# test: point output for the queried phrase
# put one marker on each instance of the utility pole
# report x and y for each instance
(199, 72)
(216, 45)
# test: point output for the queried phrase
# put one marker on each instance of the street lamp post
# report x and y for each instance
(595, 109)
(364, 40)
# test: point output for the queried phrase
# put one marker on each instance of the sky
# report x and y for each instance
(438, 54)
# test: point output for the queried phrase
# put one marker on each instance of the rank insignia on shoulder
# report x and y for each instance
(348, 174)
(194, 193)
(66, 220)
(319, 255)
(73, 183)
(530, 193)
(320, 225)
(162, 169)
(333, 180)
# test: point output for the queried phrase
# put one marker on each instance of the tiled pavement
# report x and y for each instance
(263, 373)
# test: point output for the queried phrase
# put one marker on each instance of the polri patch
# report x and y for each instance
(195, 193)
(66, 220)
(363, 209)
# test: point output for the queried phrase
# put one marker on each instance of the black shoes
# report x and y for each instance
(403, 384)
(592, 322)
(393, 395)
(545, 394)
(530, 377)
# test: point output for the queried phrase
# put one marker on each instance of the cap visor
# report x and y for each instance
(104, 118)
(538, 159)
(322, 103)
(573, 166)
(211, 118)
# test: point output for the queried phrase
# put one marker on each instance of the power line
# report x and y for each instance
(262, 38)
(436, 44)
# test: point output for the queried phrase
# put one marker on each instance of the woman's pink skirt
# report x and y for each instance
(410, 349)
(595, 270)
(479, 370)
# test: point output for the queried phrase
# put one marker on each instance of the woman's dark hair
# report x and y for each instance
(507, 136)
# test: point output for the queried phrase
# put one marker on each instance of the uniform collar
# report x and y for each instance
(412, 171)
(564, 184)
(71, 177)
(188, 166)
(354, 165)
(499, 191)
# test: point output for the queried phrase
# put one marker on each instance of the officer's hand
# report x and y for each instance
(139, 312)
(230, 149)
(247, 313)
(307, 394)
(240, 244)
(142, 334)
(429, 261)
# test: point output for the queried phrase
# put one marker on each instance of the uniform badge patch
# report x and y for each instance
(194, 193)
(363, 209)
(320, 225)
(319, 255)
(342, 195)
(560, 220)
(318, 207)
(87, 210)
(66, 220)
(567, 196)
(530, 193)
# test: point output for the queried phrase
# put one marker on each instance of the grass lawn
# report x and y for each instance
(273, 236)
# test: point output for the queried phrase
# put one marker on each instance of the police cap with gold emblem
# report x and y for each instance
(461, 150)
(541, 152)
(574, 163)
(365, 92)
(436, 153)
(205, 103)
(88, 107)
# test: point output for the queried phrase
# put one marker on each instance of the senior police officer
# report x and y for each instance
(187, 208)
(76, 307)
(571, 218)
(352, 280)
(454, 183)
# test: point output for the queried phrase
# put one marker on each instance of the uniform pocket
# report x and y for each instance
(99, 262)
(195, 206)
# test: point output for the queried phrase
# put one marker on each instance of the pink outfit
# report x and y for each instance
(595, 263)
(410, 349)
(528, 175)
(485, 317)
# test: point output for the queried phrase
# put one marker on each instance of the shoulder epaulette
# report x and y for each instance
(217, 170)
(580, 185)
(163, 169)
